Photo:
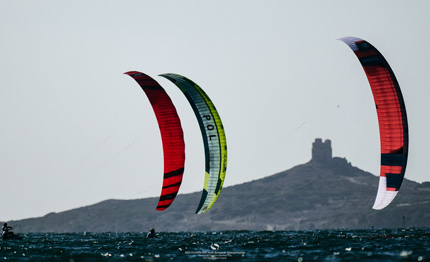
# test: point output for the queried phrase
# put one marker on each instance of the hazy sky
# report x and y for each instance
(75, 130)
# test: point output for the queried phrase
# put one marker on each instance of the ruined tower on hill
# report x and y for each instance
(321, 151)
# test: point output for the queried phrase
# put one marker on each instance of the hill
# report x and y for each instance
(324, 193)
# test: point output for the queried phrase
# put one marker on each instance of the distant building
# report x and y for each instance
(321, 152)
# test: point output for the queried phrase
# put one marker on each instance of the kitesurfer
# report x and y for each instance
(6, 233)
(151, 234)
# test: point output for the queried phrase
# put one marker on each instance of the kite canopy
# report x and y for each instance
(393, 123)
(171, 135)
(213, 139)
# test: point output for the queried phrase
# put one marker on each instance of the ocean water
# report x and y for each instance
(411, 244)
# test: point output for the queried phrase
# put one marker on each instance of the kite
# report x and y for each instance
(393, 123)
(214, 139)
(172, 137)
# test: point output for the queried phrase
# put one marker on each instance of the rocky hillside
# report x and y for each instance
(328, 193)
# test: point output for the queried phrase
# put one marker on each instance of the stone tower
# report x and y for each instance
(321, 152)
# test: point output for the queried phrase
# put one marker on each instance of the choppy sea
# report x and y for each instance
(411, 244)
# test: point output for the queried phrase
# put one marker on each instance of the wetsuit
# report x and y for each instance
(6, 232)
(151, 235)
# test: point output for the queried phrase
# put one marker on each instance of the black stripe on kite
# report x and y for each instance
(177, 184)
(177, 172)
(168, 197)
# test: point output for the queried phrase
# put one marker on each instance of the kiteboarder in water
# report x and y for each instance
(151, 234)
(5, 231)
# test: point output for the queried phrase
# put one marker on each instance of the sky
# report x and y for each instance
(76, 131)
